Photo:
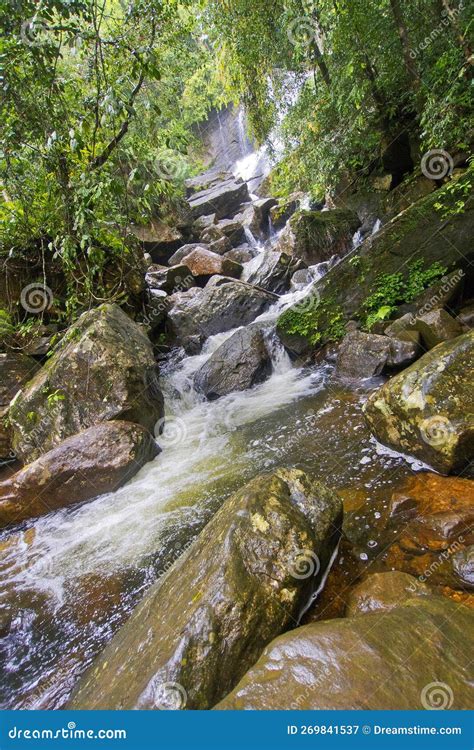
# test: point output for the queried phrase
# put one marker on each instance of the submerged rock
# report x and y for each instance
(413, 657)
(91, 463)
(223, 304)
(382, 592)
(425, 411)
(243, 581)
(239, 363)
(103, 369)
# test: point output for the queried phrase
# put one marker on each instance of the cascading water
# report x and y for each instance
(69, 579)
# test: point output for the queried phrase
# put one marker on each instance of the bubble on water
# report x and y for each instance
(377, 514)
(364, 556)
(371, 543)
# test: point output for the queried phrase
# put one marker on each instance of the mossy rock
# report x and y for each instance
(434, 232)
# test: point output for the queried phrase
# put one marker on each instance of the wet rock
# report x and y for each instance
(239, 363)
(466, 316)
(15, 370)
(393, 249)
(207, 180)
(203, 263)
(169, 280)
(177, 257)
(205, 622)
(257, 217)
(424, 409)
(222, 305)
(103, 369)
(437, 326)
(403, 352)
(220, 196)
(240, 254)
(272, 270)
(280, 213)
(382, 661)
(233, 230)
(383, 592)
(429, 519)
(362, 355)
(98, 460)
(463, 566)
(315, 236)
(221, 246)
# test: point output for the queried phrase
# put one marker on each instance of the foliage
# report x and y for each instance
(392, 290)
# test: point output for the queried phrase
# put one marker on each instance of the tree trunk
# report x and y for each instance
(407, 50)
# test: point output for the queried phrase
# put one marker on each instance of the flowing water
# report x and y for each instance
(69, 579)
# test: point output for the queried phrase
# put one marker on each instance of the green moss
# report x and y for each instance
(392, 290)
(323, 317)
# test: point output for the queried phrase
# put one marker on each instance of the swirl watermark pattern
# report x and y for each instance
(171, 166)
(437, 696)
(309, 302)
(171, 432)
(305, 564)
(437, 164)
(36, 298)
(303, 32)
(436, 431)
(170, 696)
(34, 31)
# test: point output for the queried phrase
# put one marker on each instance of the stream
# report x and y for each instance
(70, 579)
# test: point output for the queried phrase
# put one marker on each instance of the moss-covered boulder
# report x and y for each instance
(413, 657)
(103, 369)
(86, 465)
(426, 410)
(315, 236)
(389, 268)
(15, 370)
(242, 582)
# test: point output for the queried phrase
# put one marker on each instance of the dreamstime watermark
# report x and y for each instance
(437, 164)
(437, 696)
(304, 32)
(306, 429)
(437, 31)
(170, 696)
(171, 431)
(456, 546)
(309, 302)
(34, 32)
(436, 431)
(436, 301)
(159, 304)
(36, 298)
(304, 564)
(171, 166)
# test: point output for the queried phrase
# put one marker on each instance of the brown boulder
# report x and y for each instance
(91, 463)
(204, 263)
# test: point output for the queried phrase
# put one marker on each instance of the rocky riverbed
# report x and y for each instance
(265, 472)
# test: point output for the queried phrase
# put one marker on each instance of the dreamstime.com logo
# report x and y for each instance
(437, 164)
(36, 298)
(437, 696)
(67, 733)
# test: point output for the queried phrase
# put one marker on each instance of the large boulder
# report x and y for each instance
(169, 280)
(205, 622)
(221, 195)
(241, 362)
(232, 229)
(382, 592)
(315, 236)
(365, 355)
(158, 239)
(425, 410)
(222, 305)
(257, 217)
(272, 270)
(184, 250)
(413, 657)
(102, 369)
(97, 460)
(420, 234)
(203, 264)
(437, 326)
(15, 370)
